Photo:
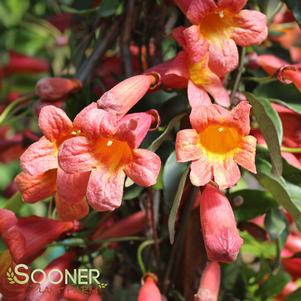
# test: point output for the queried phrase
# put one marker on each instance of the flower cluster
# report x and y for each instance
(91, 156)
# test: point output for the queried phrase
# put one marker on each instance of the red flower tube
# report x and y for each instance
(149, 290)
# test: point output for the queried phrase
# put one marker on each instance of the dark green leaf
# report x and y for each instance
(295, 7)
(108, 7)
(254, 203)
(172, 173)
(284, 193)
(271, 128)
(177, 198)
(274, 285)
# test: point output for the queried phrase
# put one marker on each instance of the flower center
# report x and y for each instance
(199, 73)
(220, 139)
(112, 153)
(217, 25)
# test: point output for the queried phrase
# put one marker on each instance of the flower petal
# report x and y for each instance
(250, 28)
(239, 117)
(217, 91)
(122, 97)
(93, 121)
(202, 115)
(193, 43)
(226, 173)
(223, 56)
(197, 10)
(105, 189)
(39, 157)
(36, 188)
(75, 155)
(133, 128)
(72, 187)
(270, 63)
(71, 210)
(232, 5)
(144, 168)
(187, 146)
(201, 172)
(246, 156)
(54, 123)
(197, 95)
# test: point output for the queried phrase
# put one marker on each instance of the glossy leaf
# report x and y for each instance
(271, 128)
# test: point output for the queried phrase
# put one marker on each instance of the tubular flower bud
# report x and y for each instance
(121, 98)
(149, 290)
(222, 240)
(210, 283)
(27, 237)
(56, 88)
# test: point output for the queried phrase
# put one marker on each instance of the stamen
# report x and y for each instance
(221, 14)
(109, 143)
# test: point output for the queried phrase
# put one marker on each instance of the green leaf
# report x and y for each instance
(179, 185)
(254, 203)
(108, 7)
(14, 203)
(295, 7)
(284, 193)
(296, 107)
(271, 128)
(274, 285)
(295, 296)
(172, 173)
(254, 247)
(12, 11)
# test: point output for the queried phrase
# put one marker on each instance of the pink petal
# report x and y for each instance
(71, 210)
(187, 148)
(174, 73)
(72, 187)
(291, 159)
(239, 117)
(94, 122)
(232, 5)
(197, 95)
(217, 91)
(250, 28)
(121, 98)
(246, 156)
(39, 157)
(197, 10)
(105, 189)
(54, 123)
(195, 45)
(223, 56)
(201, 172)
(144, 168)
(226, 173)
(76, 155)
(133, 128)
(201, 116)
(36, 188)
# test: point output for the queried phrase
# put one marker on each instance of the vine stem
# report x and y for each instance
(139, 254)
(295, 150)
(239, 74)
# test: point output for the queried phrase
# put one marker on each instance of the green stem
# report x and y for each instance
(291, 149)
(139, 254)
(239, 74)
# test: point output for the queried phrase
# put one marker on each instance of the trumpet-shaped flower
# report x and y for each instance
(109, 150)
(41, 176)
(27, 237)
(149, 290)
(286, 73)
(218, 142)
(200, 81)
(210, 283)
(221, 25)
(221, 239)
